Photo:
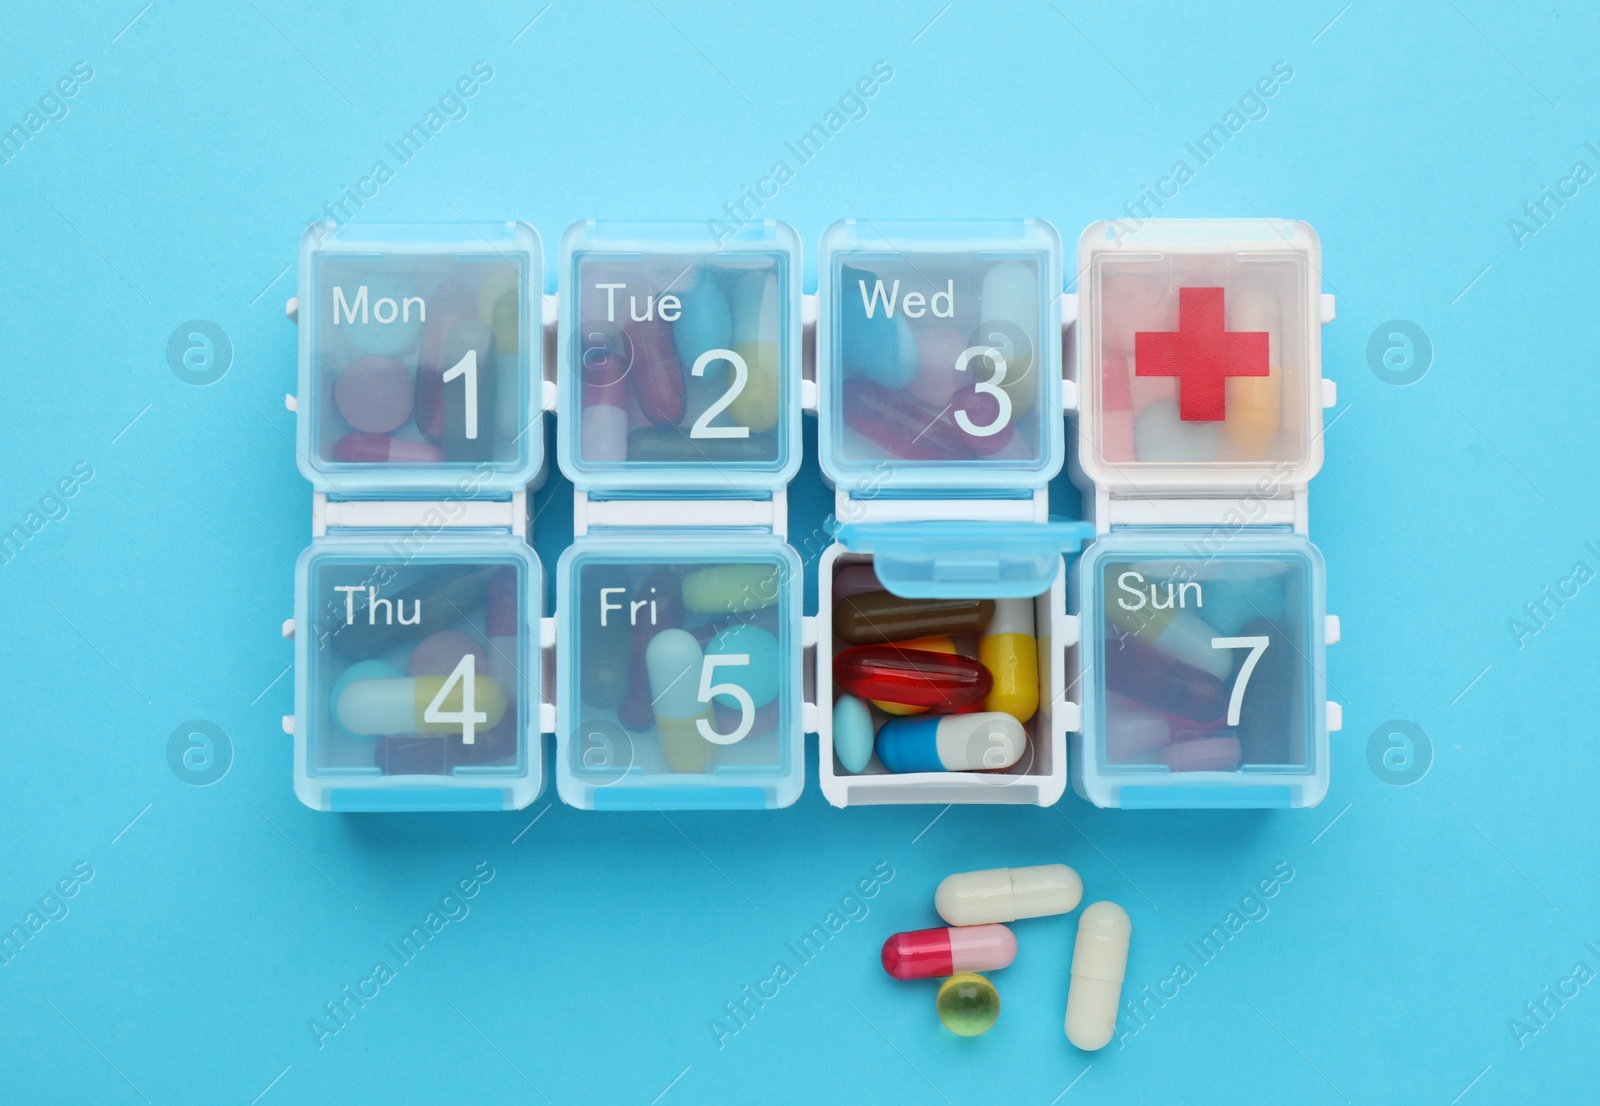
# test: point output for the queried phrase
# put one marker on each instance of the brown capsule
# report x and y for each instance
(879, 616)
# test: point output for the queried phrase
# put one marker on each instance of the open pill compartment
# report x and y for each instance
(1201, 602)
(420, 358)
(678, 621)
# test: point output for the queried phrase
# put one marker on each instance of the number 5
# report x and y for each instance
(709, 690)
(1257, 645)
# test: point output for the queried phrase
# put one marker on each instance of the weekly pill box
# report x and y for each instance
(390, 632)
(420, 356)
(680, 358)
(1201, 602)
(939, 355)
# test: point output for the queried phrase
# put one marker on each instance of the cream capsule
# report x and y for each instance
(1006, 894)
(398, 706)
(1099, 961)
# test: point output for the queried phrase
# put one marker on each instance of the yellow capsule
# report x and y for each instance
(1010, 652)
(931, 645)
(1255, 403)
(757, 319)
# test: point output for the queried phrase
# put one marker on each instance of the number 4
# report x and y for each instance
(1257, 645)
(468, 717)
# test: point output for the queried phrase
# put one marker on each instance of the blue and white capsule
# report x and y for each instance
(986, 741)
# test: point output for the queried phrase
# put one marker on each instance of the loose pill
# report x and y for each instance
(704, 320)
(376, 707)
(758, 675)
(984, 742)
(1202, 754)
(674, 444)
(361, 670)
(854, 579)
(1011, 654)
(1134, 734)
(912, 676)
(932, 953)
(876, 344)
(757, 320)
(1011, 319)
(374, 394)
(1134, 606)
(661, 590)
(656, 375)
(1006, 894)
(1099, 962)
(731, 588)
(900, 425)
(439, 653)
(1135, 670)
(500, 305)
(927, 644)
(968, 1004)
(882, 616)
(938, 349)
(360, 448)
(1254, 402)
(852, 734)
(673, 659)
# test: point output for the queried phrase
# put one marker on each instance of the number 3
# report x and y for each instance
(1257, 645)
(709, 690)
(990, 387)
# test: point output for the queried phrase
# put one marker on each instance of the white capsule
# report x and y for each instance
(1099, 961)
(1006, 894)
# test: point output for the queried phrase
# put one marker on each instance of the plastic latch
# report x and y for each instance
(291, 309)
(1327, 308)
(1335, 717)
(1330, 630)
(946, 559)
(1330, 393)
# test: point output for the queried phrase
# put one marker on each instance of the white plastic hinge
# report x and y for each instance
(1220, 511)
(1335, 717)
(1069, 396)
(1071, 630)
(287, 630)
(292, 402)
(547, 649)
(547, 718)
(288, 724)
(1069, 309)
(549, 395)
(1071, 716)
(882, 508)
(291, 309)
(808, 631)
(808, 395)
(1330, 630)
(547, 632)
(549, 311)
(809, 715)
(808, 309)
(1327, 308)
(424, 514)
(678, 514)
(1330, 393)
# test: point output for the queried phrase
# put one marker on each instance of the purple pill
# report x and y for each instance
(374, 394)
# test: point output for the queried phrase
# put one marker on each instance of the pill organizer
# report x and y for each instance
(678, 619)
(939, 426)
(1201, 602)
(416, 624)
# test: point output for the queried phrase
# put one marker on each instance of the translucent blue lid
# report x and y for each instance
(421, 352)
(939, 355)
(953, 559)
(679, 357)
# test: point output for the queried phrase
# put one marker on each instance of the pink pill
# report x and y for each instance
(936, 381)
(366, 449)
(1135, 734)
(439, 653)
(374, 394)
(1203, 754)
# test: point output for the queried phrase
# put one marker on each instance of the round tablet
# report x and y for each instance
(1203, 754)
(968, 1004)
(374, 394)
(439, 653)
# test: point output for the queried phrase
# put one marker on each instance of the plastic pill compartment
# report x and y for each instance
(679, 630)
(942, 606)
(416, 625)
(1202, 600)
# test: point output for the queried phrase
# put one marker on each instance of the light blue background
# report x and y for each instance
(219, 919)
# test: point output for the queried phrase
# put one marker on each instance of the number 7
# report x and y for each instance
(1257, 645)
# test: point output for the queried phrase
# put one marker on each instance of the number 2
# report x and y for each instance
(990, 387)
(465, 673)
(1257, 644)
(709, 690)
(702, 427)
(468, 367)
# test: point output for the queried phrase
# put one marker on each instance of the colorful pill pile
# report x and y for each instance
(681, 360)
(930, 685)
(422, 669)
(1200, 671)
(419, 362)
(685, 658)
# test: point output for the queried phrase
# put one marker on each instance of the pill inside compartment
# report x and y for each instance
(1012, 689)
(680, 668)
(420, 359)
(407, 655)
(1204, 665)
(679, 361)
(937, 357)
(1166, 395)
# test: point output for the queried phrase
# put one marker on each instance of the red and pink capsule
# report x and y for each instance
(934, 953)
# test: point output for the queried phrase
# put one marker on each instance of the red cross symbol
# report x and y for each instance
(1201, 354)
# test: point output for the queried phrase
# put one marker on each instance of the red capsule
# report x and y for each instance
(656, 373)
(933, 953)
(913, 677)
(900, 425)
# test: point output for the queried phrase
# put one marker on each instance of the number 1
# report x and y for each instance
(468, 367)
